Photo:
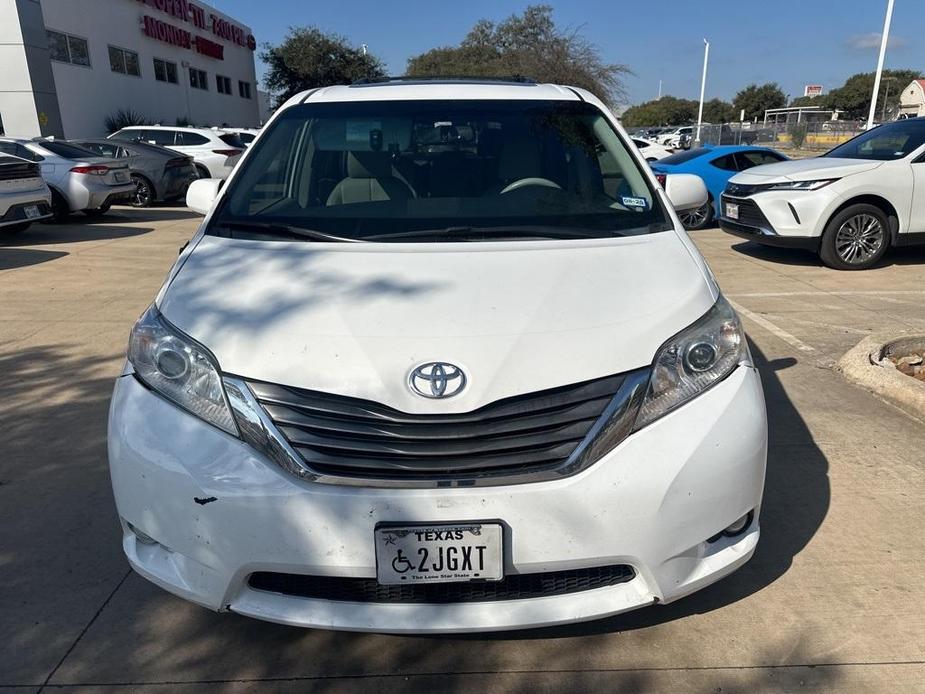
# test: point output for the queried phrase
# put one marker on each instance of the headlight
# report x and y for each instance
(184, 372)
(693, 360)
(801, 185)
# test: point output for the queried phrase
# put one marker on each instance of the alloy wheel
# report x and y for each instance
(859, 238)
(142, 196)
(696, 218)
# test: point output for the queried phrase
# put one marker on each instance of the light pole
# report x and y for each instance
(703, 86)
(883, 41)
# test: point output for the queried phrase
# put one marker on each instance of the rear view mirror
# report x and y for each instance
(202, 193)
(685, 191)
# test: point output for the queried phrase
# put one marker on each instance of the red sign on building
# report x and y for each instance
(195, 15)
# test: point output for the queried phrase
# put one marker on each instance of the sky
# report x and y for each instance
(791, 42)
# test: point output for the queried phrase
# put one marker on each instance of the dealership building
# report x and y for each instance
(66, 65)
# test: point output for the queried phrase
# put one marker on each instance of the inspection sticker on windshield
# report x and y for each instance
(439, 553)
(641, 203)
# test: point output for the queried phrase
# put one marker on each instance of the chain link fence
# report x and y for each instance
(818, 136)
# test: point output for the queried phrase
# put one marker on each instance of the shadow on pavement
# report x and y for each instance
(48, 234)
(902, 255)
(12, 258)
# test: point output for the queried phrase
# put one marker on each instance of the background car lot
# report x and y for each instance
(831, 599)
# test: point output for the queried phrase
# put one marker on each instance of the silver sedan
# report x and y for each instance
(157, 172)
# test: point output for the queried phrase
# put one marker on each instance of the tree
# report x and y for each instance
(668, 110)
(528, 45)
(853, 97)
(758, 99)
(309, 58)
(719, 111)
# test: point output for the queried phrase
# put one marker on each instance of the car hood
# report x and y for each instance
(355, 319)
(804, 170)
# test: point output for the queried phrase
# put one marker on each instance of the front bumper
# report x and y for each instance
(652, 503)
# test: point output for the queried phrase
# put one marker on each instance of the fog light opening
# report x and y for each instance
(143, 538)
(740, 526)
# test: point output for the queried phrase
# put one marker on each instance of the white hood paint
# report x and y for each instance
(805, 170)
(354, 319)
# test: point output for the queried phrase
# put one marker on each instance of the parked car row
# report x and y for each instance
(137, 165)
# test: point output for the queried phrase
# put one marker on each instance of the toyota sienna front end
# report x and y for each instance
(440, 358)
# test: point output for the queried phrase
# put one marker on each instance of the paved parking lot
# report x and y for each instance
(832, 600)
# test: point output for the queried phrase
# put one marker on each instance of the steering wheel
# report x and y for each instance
(531, 181)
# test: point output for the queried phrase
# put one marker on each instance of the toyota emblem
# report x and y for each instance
(437, 379)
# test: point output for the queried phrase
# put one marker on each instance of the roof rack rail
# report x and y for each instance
(473, 79)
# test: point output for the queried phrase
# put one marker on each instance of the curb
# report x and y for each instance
(859, 365)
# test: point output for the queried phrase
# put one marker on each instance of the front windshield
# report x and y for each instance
(359, 170)
(884, 143)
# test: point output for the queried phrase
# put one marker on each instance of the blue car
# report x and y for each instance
(715, 165)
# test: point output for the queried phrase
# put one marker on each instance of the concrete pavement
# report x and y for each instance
(832, 600)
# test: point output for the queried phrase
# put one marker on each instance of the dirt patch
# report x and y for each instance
(907, 355)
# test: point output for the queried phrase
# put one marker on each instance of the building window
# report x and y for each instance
(124, 62)
(198, 79)
(68, 49)
(223, 84)
(244, 89)
(165, 71)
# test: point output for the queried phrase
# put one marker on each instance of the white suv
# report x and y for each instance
(215, 152)
(24, 197)
(440, 358)
(849, 205)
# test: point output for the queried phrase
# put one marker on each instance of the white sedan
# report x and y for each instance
(849, 205)
(651, 151)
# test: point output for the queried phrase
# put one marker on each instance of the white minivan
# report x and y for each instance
(440, 358)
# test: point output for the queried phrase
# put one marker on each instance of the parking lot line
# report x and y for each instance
(775, 330)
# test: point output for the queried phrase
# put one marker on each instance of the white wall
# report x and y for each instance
(28, 104)
(87, 95)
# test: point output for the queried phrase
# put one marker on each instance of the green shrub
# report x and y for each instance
(124, 118)
(797, 134)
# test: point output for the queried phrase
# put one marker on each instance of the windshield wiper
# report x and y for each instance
(286, 231)
(462, 232)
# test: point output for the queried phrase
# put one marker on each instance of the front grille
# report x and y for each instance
(18, 171)
(345, 436)
(749, 214)
(743, 190)
(512, 587)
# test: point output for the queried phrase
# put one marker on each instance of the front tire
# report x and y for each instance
(856, 238)
(697, 218)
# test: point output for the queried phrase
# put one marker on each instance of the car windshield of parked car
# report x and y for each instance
(681, 157)
(67, 151)
(396, 170)
(884, 143)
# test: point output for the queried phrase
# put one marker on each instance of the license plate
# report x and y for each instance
(439, 553)
(32, 211)
(732, 210)
(121, 176)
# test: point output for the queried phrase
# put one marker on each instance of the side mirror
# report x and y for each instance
(202, 193)
(685, 191)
